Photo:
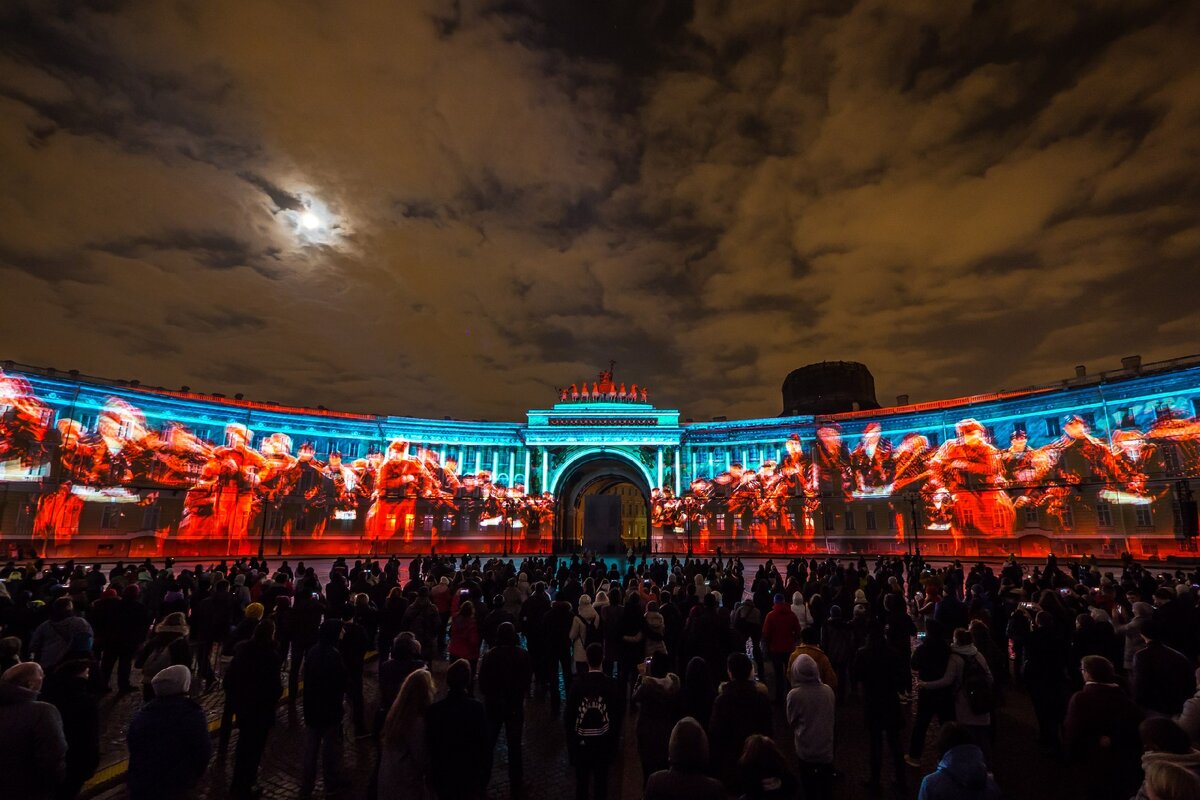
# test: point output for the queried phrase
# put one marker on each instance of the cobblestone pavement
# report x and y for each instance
(1019, 767)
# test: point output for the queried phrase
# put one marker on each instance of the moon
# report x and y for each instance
(310, 221)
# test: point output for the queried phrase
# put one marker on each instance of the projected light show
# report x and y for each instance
(91, 468)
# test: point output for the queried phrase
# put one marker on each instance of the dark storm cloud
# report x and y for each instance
(966, 196)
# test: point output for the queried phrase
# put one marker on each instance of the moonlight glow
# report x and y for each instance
(310, 221)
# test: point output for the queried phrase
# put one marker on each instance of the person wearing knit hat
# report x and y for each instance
(168, 739)
(686, 777)
(168, 646)
(255, 611)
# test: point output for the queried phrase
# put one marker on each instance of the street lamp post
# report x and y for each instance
(916, 523)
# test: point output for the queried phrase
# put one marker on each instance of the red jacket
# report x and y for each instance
(780, 629)
(464, 637)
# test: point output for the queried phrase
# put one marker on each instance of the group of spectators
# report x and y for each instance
(709, 659)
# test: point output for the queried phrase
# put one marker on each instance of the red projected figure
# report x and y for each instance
(969, 468)
(23, 427)
(1176, 434)
(221, 503)
(831, 464)
(911, 481)
(795, 472)
(57, 518)
(871, 461)
(396, 494)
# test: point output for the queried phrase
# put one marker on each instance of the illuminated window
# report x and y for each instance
(849, 520)
(1052, 427)
(871, 519)
(827, 519)
(1142, 516)
(998, 520)
(968, 518)
(111, 518)
(1104, 514)
(1031, 516)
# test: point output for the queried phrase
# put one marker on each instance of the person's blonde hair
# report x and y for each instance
(1167, 781)
(411, 703)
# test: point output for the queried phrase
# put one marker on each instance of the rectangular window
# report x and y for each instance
(1068, 518)
(1031, 516)
(991, 433)
(1104, 514)
(110, 520)
(891, 518)
(1019, 425)
(1196, 406)
(997, 520)
(1052, 427)
(1142, 517)
(150, 517)
(968, 518)
(827, 519)
(871, 519)
(849, 520)
(934, 440)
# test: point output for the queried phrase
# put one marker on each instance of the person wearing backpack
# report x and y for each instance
(585, 630)
(968, 674)
(592, 718)
(168, 647)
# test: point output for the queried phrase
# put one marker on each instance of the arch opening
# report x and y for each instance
(604, 505)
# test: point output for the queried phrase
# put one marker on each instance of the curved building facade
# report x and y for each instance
(1099, 464)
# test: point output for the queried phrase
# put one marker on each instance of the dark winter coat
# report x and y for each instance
(169, 748)
(33, 755)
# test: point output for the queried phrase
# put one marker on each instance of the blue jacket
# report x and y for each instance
(961, 775)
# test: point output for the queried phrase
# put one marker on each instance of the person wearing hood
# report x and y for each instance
(780, 631)
(810, 715)
(686, 778)
(1164, 742)
(964, 677)
(55, 637)
(33, 758)
(585, 629)
(168, 647)
(961, 773)
(169, 744)
(505, 673)
(658, 700)
(1101, 732)
(801, 610)
(741, 710)
(325, 683)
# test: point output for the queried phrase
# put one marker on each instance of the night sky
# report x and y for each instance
(964, 196)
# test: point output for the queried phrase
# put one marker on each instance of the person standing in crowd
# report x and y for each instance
(961, 773)
(929, 661)
(557, 651)
(325, 683)
(1044, 673)
(68, 689)
(659, 707)
(1164, 744)
(461, 756)
(968, 675)
(252, 690)
(168, 739)
(592, 717)
(129, 626)
(405, 659)
(60, 634)
(33, 757)
(747, 625)
(464, 636)
(741, 710)
(1162, 676)
(422, 621)
(353, 646)
(884, 675)
(1101, 732)
(585, 630)
(809, 639)
(168, 647)
(763, 773)
(404, 759)
(838, 642)
(505, 673)
(212, 620)
(687, 776)
(780, 631)
(303, 631)
(810, 715)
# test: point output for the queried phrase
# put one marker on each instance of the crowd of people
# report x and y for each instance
(709, 659)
